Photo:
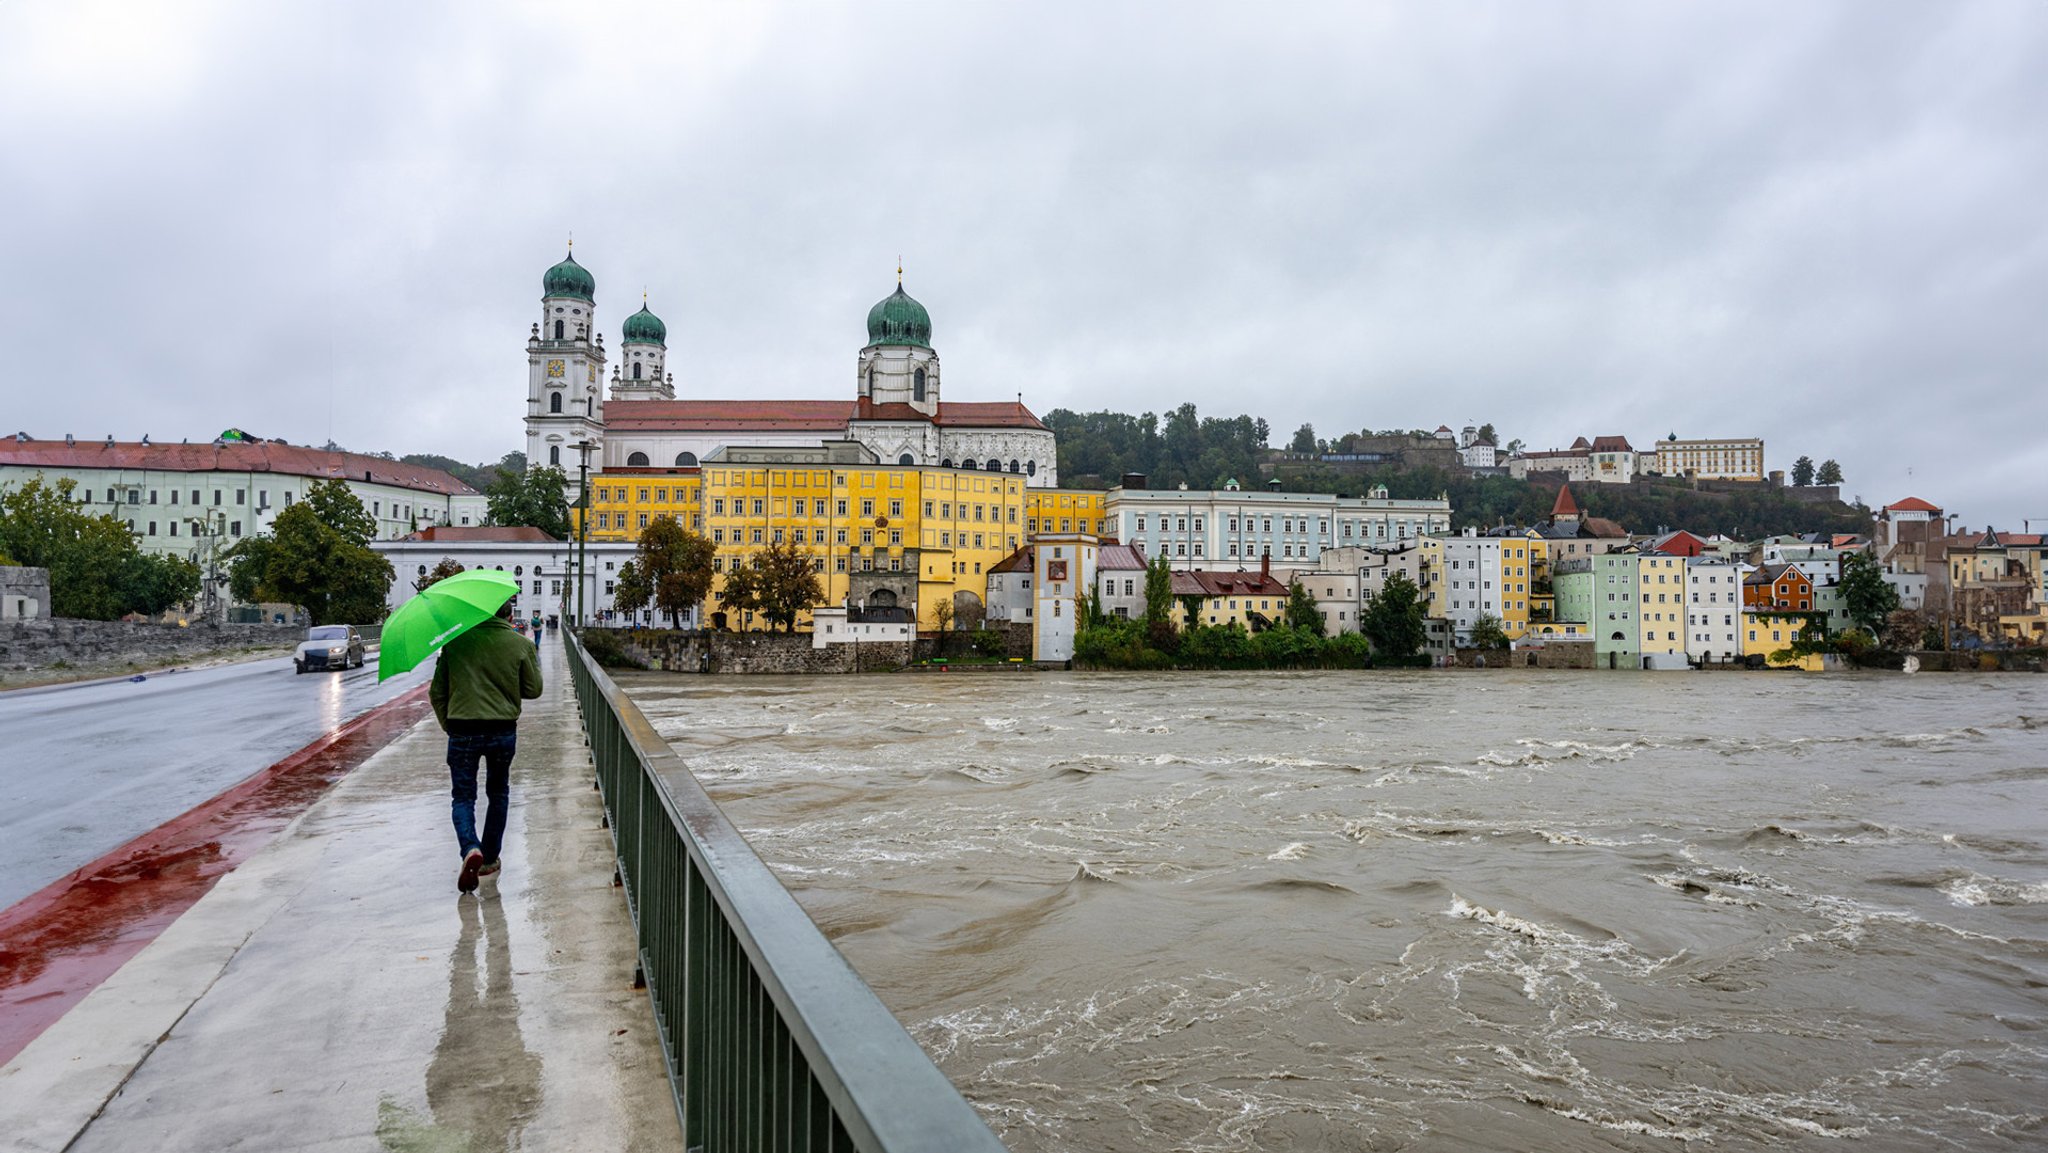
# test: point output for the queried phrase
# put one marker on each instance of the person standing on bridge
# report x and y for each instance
(482, 676)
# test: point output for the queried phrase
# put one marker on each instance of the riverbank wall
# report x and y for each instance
(30, 649)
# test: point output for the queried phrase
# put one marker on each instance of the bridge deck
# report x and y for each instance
(334, 992)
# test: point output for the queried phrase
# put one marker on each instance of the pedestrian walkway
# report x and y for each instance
(335, 993)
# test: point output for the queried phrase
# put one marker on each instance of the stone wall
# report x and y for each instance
(33, 646)
(710, 651)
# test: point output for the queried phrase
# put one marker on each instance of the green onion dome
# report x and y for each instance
(897, 319)
(569, 279)
(643, 327)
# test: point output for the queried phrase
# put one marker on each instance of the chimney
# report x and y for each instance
(1134, 481)
(67, 439)
(1266, 565)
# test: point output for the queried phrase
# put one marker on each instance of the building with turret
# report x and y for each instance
(896, 413)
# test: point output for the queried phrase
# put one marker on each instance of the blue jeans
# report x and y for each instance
(495, 751)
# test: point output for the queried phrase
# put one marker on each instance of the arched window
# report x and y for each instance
(871, 379)
(554, 402)
(555, 454)
(519, 570)
(423, 570)
(946, 463)
(917, 385)
(995, 465)
(636, 370)
(637, 460)
(905, 459)
(686, 460)
(1014, 466)
(1030, 468)
(558, 330)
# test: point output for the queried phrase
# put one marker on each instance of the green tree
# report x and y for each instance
(307, 562)
(1302, 612)
(674, 567)
(741, 592)
(1802, 471)
(1393, 621)
(1830, 473)
(340, 509)
(1486, 433)
(1488, 634)
(786, 583)
(447, 567)
(632, 591)
(1869, 599)
(1304, 439)
(1158, 592)
(97, 571)
(537, 499)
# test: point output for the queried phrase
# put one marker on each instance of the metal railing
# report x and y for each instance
(772, 1041)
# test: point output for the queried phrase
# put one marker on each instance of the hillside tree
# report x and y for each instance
(1802, 471)
(1830, 473)
(1393, 621)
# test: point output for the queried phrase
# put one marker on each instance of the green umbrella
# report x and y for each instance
(443, 611)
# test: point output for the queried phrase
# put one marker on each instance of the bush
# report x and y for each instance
(990, 643)
(604, 647)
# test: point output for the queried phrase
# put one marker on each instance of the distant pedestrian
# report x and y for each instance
(482, 676)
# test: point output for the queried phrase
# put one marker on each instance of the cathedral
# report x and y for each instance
(634, 419)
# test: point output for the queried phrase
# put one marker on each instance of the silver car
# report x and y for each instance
(329, 647)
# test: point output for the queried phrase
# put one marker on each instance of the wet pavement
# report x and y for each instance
(335, 992)
(87, 767)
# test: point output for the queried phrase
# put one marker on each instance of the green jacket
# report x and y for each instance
(484, 674)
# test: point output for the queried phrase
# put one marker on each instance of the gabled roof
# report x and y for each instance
(482, 534)
(1611, 444)
(1911, 504)
(804, 415)
(231, 456)
(1565, 505)
(1119, 558)
(1019, 561)
(1580, 445)
(1205, 583)
(1769, 574)
(1601, 527)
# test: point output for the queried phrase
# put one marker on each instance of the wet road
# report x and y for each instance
(85, 768)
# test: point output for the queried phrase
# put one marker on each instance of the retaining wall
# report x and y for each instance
(58, 642)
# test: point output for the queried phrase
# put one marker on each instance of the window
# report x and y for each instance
(637, 460)
(235, 528)
(906, 458)
(916, 385)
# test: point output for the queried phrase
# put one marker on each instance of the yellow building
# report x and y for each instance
(1050, 511)
(1766, 633)
(947, 526)
(1660, 617)
(1250, 600)
(1517, 571)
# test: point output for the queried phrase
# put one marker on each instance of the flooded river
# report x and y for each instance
(1442, 911)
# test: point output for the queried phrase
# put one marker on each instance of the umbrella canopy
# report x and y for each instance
(441, 612)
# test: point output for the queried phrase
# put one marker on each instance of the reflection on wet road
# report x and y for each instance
(83, 769)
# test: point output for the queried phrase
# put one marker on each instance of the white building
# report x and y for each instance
(1737, 458)
(1474, 452)
(895, 407)
(544, 567)
(1470, 584)
(829, 626)
(1713, 609)
(1063, 571)
(1120, 581)
(1335, 590)
(1009, 589)
(1201, 528)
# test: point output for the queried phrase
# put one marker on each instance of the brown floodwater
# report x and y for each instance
(1442, 911)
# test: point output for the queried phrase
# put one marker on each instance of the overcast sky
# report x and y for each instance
(1818, 223)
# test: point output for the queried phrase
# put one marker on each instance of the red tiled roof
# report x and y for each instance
(1602, 528)
(1580, 445)
(803, 415)
(1019, 561)
(724, 415)
(1911, 504)
(1119, 558)
(987, 414)
(482, 534)
(1611, 444)
(1565, 505)
(231, 456)
(1202, 582)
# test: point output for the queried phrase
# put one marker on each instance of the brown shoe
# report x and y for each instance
(472, 866)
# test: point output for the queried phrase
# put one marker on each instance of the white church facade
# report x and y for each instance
(634, 419)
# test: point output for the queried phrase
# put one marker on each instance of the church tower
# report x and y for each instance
(898, 365)
(639, 374)
(565, 359)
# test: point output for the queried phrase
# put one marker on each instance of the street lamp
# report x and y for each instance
(582, 522)
(210, 530)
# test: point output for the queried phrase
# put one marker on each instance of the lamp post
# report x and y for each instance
(210, 530)
(582, 522)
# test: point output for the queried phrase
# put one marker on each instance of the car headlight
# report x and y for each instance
(335, 652)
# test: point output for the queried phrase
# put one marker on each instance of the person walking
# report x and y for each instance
(482, 676)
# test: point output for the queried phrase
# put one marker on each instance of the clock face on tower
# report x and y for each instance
(555, 368)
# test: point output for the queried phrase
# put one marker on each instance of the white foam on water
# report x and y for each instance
(1291, 852)
(1977, 890)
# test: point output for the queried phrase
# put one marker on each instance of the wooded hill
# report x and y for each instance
(1097, 448)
